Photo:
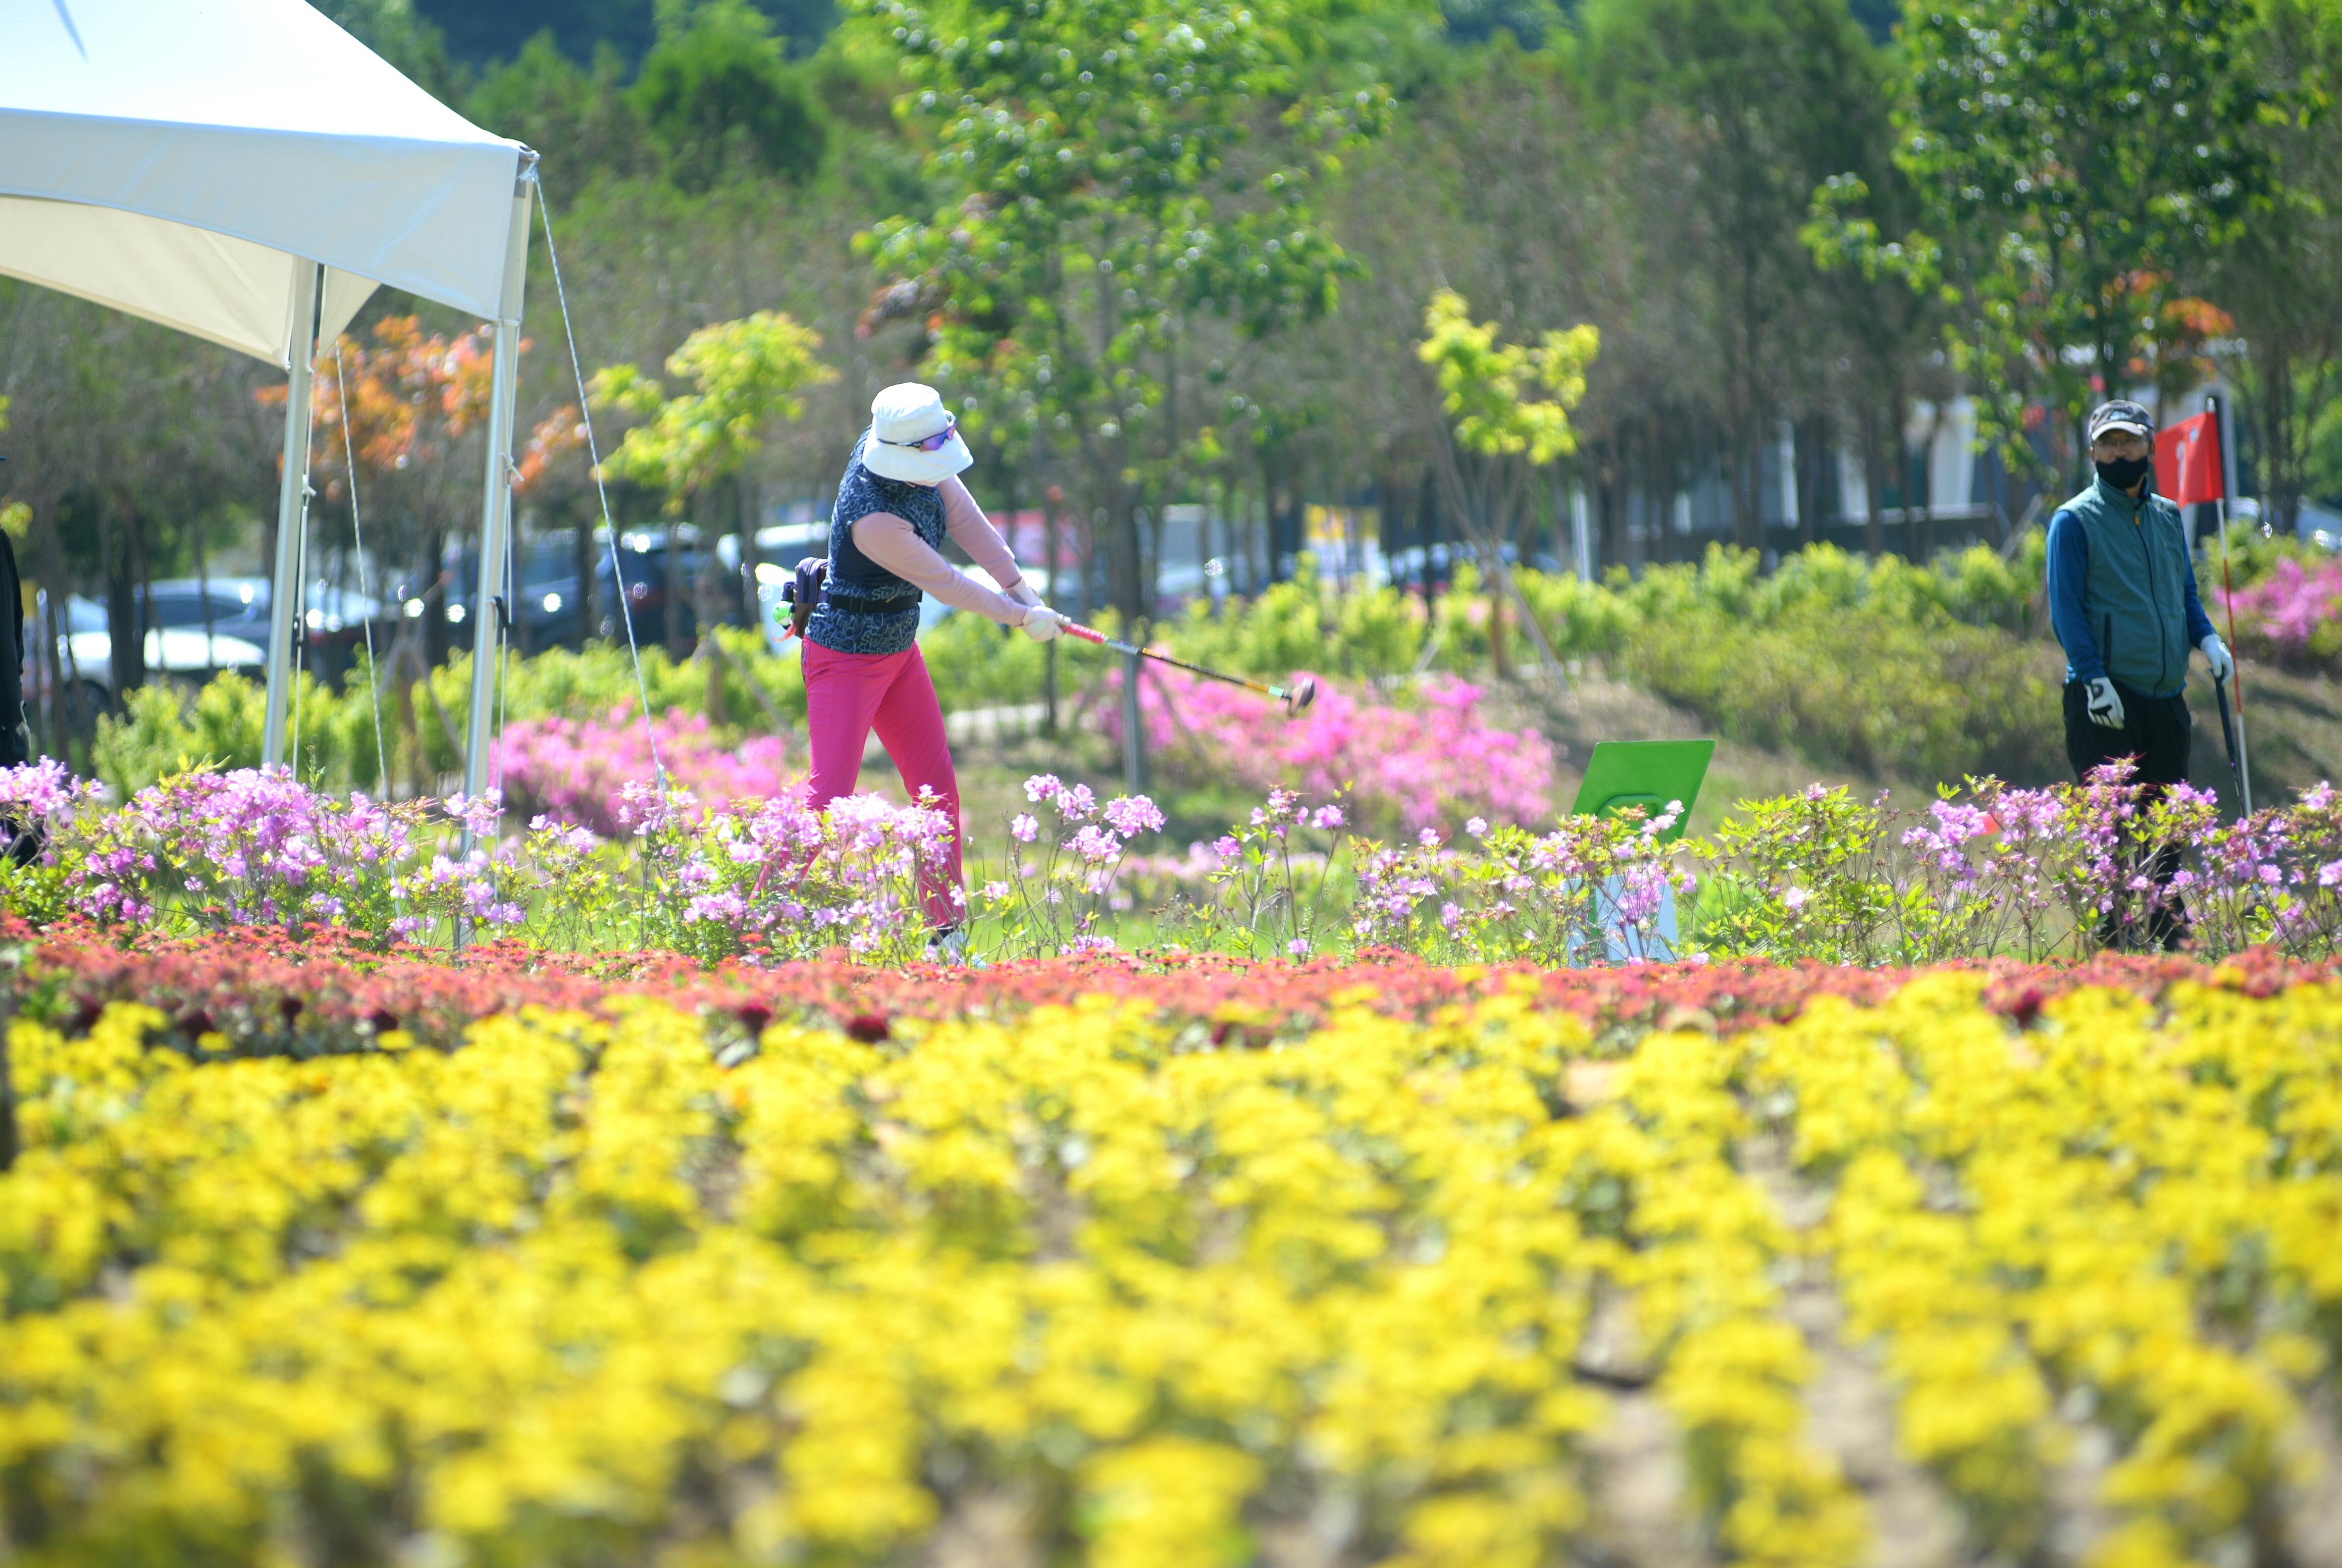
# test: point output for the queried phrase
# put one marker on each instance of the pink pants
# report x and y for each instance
(847, 695)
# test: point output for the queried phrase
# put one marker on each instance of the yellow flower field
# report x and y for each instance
(1079, 1288)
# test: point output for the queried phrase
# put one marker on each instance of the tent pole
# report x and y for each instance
(496, 507)
(292, 507)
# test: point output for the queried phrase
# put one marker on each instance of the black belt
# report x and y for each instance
(869, 603)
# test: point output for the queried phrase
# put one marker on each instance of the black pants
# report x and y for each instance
(2155, 732)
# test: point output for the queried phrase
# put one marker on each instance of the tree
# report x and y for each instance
(2075, 160)
(1105, 190)
(392, 29)
(1892, 312)
(414, 400)
(2276, 276)
(746, 374)
(1504, 432)
(1764, 100)
(718, 94)
(585, 118)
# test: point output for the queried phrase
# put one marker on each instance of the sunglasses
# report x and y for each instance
(936, 443)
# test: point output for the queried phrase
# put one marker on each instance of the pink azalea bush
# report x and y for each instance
(574, 770)
(1432, 762)
(2292, 614)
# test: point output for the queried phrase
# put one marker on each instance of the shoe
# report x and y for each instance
(949, 946)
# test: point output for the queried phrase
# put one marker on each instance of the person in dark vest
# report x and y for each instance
(900, 499)
(15, 744)
(2124, 604)
(19, 841)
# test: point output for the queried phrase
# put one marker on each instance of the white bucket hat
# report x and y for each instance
(904, 421)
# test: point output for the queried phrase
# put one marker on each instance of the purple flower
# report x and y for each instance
(1023, 827)
(1096, 845)
(1131, 815)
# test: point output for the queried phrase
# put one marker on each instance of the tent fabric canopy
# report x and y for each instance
(181, 160)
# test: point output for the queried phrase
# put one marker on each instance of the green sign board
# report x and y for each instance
(1645, 774)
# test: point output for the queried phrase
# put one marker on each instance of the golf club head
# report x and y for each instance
(1304, 693)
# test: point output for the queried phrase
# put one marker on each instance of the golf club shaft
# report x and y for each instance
(2228, 734)
(1091, 634)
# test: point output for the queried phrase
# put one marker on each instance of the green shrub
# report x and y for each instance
(977, 663)
(166, 728)
(1864, 689)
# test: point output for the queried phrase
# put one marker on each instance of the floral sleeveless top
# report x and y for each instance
(864, 608)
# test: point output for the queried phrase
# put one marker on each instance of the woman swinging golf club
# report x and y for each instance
(899, 500)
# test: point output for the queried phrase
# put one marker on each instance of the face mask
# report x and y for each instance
(2125, 472)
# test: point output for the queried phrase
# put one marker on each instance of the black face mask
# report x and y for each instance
(2125, 472)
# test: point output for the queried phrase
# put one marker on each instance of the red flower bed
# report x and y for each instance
(268, 992)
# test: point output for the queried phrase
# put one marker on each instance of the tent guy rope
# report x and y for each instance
(365, 593)
(593, 459)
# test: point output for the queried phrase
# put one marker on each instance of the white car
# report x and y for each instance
(86, 649)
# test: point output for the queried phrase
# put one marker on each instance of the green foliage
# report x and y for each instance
(1741, 108)
(1892, 669)
(718, 95)
(977, 663)
(746, 374)
(1804, 880)
(166, 729)
(2253, 555)
(1489, 390)
(583, 117)
(2322, 470)
(2075, 161)
(1477, 21)
(1102, 185)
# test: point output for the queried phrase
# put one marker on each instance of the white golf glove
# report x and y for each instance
(2105, 705)
(1042, 624)
(2216, 655)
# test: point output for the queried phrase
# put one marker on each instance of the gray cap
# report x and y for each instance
(2121, 413)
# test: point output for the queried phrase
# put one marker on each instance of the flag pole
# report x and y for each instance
(2228, 598)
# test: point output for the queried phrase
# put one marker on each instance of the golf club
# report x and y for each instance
(1294, 697)
(2228, 734)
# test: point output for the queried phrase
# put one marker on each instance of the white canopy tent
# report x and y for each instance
(247, 172)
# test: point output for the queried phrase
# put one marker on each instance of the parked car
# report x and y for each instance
(83, 655)
(642, 558)
(549, 601)
(334, 618)
(236, 606)
(779, 547)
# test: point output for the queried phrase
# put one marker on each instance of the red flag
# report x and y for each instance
(2187, 462)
